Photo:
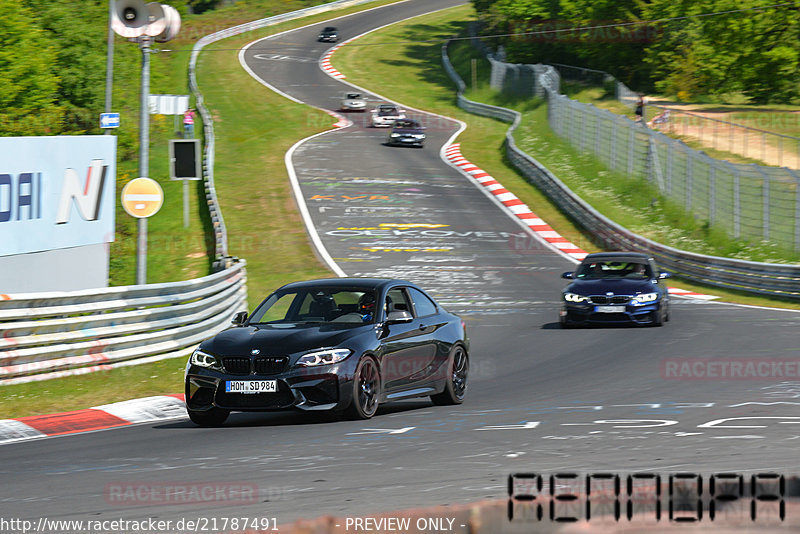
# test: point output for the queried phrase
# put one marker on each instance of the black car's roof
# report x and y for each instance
(616, 256)
(329, 29)
(366, 283)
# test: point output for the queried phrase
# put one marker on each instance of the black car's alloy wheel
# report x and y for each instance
(456, 386)
(366, 388)
(212, 417)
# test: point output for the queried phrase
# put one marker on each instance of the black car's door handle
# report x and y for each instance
(422, 327)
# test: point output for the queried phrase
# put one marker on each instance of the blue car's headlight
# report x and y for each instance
(644, 298)
(203, 359)
(324, 357)
(572, 297)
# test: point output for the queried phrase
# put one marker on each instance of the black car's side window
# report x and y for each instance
(422, 304)
(396, 300)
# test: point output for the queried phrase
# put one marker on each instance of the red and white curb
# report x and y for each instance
(119, 414)
(514, 204)
(325, 62)
(530, 219)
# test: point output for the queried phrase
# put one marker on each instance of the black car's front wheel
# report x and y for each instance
(212, 417)
(456, 386)
(366, 389)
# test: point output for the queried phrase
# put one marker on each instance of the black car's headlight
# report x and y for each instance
(203, 359)
(644, 298)
(395, 135)
(323, 357)
(573, 297)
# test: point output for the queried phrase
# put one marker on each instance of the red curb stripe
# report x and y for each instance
(513, 202)
(73, 422)
(530, 215)
(500, 191)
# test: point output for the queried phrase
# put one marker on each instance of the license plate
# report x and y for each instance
(251, 386)
(609, 309)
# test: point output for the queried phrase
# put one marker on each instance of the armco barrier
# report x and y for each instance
(776, 280)
(220, 232)
(44, 334)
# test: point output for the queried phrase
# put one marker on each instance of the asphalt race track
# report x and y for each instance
(540, 399)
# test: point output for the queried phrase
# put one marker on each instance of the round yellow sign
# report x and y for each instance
(142, 197)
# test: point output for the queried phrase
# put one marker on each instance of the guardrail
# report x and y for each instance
(220, 231)
(45, 334)
(775, 280)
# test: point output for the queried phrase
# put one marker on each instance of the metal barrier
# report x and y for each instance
(774, 280)
(52, 332)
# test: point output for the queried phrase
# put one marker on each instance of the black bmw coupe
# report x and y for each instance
(615, 287)
(342, 344)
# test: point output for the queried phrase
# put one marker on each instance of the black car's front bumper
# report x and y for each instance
(326, 388)
(588, 314)
(406, 140)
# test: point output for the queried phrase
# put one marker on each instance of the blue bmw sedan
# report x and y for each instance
(615, 287)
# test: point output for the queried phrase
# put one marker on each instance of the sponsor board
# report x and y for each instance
(56, 192)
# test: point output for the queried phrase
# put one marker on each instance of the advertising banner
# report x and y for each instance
(56, 192)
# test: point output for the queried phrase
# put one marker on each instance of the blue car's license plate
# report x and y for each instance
(609, 309)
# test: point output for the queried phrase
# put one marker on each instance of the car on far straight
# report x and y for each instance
(385, 115)
(615, 287)
(406, 132)
(341, 344)
(329, 34)
(353, 102)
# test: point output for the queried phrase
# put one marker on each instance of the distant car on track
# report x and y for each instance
(329, 34)
(615, 287)
(353, 102)
(385, 114)
(335, 344)
(406, 132)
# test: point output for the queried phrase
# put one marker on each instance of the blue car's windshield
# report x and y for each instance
(613, 269)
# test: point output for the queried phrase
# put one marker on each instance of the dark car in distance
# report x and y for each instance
(329, 34)
(615, 287)
(342, 344)
(406, 132)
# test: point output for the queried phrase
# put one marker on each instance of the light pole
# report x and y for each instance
(144, 22)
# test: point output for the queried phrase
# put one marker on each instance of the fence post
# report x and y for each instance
(670, 144)
(631, 139)
(712, 193)
(613, 144)
(737, 214)
(689, 176)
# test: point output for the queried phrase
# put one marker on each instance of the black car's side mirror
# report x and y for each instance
(568, 275)
(399, 316)
(662, 276)
(239, 319)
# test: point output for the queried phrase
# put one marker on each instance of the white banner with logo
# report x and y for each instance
(56, 192)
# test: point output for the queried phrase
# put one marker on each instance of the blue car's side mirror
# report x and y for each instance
(662, 276)
(568, 275)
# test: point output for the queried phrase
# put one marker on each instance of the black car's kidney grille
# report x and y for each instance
(616, 299)
(271, 365)
(259, 401)
(236, 366)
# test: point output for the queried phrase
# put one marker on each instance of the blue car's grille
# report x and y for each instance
(616, 299)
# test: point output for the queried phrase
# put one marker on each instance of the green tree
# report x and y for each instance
(29, 85)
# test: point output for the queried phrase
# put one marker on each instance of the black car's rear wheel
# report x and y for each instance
(366, 389)
(212, 417)
(456, 387)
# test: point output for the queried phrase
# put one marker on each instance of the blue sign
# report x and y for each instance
(109, 120)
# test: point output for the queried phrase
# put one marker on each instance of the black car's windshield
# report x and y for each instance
(406, 124)
(385, 111)
(323, 305)
(600, 270)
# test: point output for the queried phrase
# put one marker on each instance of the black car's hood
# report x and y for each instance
(272, 340)
(618, 286)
